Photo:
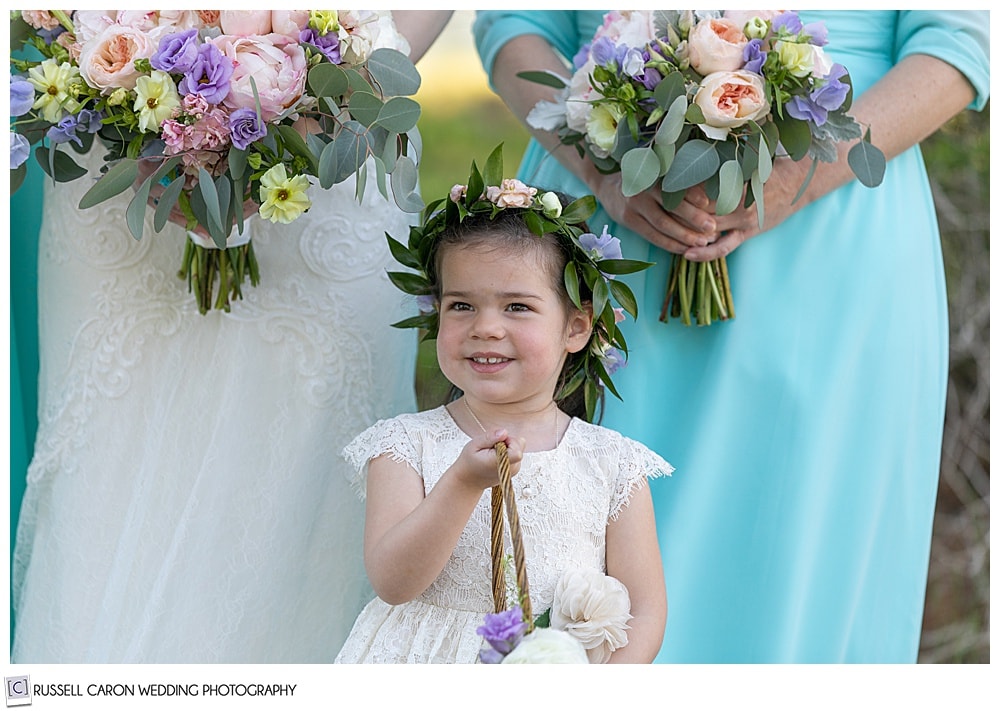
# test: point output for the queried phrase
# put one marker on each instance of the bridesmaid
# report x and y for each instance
(807, 431)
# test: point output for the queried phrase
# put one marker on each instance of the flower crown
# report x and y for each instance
(593, 262)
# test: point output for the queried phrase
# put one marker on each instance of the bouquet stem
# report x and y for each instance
(231, 267)
(698, 292)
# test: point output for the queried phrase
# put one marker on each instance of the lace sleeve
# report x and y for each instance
(637, 463)
(384, 437)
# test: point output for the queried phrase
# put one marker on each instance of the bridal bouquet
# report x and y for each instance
(213, 115)
(674, 99)
(586, 623)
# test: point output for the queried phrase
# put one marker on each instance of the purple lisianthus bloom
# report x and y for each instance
(817, 33)
(789, 21)
(581, 57)
(754, 56)
(328, 44)
(22, 96)
(426, 303)
(604, 247)
(209, 75)
(503, 630)
(64, 131)
(20, 149)
(650, 78)
(832, 94)
(805, 109)
(488, 655)
(89, 120)
(177, 52)
(245, 128)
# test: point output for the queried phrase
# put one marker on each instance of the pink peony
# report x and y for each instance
(244, 23)
(277, 65)
(289, 22)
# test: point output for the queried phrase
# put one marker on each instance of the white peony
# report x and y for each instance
(547, 646)
(595, 609)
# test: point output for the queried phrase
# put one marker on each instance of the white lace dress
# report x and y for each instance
(187, 501)
(565, 499)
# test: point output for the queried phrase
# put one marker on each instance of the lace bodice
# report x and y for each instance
(565, 497)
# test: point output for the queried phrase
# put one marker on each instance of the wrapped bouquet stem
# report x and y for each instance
(673, 99)
(204, 264)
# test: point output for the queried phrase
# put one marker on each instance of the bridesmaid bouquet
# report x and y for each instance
(674, 99)
(215, 115)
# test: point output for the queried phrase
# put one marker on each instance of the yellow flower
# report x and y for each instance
(118, 96)
(796, 57)
(282, 198)
(602, 126)
(52, 82)
(156, 99)
(324, 21)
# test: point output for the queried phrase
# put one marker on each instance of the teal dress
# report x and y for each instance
(806, 432)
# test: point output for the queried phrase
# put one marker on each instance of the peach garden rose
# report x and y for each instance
(729, 100)
(277, 65)
(716, 45)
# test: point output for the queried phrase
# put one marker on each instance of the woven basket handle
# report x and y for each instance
(502, 497)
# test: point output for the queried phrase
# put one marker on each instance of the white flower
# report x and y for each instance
(547, 646)
(594, 609)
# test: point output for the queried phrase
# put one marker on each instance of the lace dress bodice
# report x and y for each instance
(565, 497)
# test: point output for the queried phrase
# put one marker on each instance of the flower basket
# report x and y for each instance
(502, 500)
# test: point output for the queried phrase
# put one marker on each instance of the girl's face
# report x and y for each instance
(504, 331)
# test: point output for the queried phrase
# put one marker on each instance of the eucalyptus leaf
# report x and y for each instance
(118, 179)
(669, 90)
(399, 114)
(167, 200)
(394, 72)
(670, 128)
(365, 108)
(356, 82)
(135, 213)
(671, 201)
(868, 163)
(295, 144)
(404, 184)
(665, 152)
(730, 187)
(361, 182)
(640, 169)
(795, 137)
(625, 141)
(17, 177)
(546, 78)
(352, 148)
(210, 196)
(326, 169)
(695, 162)
(327, 80)
(757, 187)
(764, 161)
(58, 165)
(380, 180)
(390, 151)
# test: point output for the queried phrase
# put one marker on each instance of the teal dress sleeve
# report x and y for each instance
(962, 39)
(492, 29)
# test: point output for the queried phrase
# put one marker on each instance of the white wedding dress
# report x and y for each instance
(187, 500)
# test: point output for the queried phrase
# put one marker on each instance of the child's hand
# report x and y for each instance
(477, 464)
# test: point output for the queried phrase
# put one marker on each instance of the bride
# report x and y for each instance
(186, 501)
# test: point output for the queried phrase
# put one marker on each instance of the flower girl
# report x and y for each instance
(526, 332)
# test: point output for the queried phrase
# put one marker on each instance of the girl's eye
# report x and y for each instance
(518, 307)
(459, 306)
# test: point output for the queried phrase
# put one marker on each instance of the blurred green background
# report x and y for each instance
(463, 121)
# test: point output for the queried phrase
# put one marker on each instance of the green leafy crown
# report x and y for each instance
(587, 272)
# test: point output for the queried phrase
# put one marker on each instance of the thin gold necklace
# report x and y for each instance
(555, 427)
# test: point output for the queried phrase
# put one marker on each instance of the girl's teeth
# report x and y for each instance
(489, 361)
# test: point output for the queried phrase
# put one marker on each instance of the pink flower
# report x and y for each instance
(175, 136)
(87, 24)
(277, 65)
(457, 192)
(511, 193)
(730, 99)
(194, 105)
(716, 45)
(211, 131)
(107, 61)
(209, 18)
(245, 22)
(40, 19)
(289, 22)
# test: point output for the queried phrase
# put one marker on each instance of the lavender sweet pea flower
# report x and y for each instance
(817, 33)
(503, 630)
(328, 44)
(177, 52)
(581, 57)
(832, 94)
(789, 21)
(20, 149)
(753, 56)
(209, 75)
(632, 63)
(613, 359)
(245, 128)
(650, 78)
(64, 131)
(49, 36)
(603, 51)
(604, 247)
(89, 120)
(805, 109)
(22, 96)
(426, 303)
